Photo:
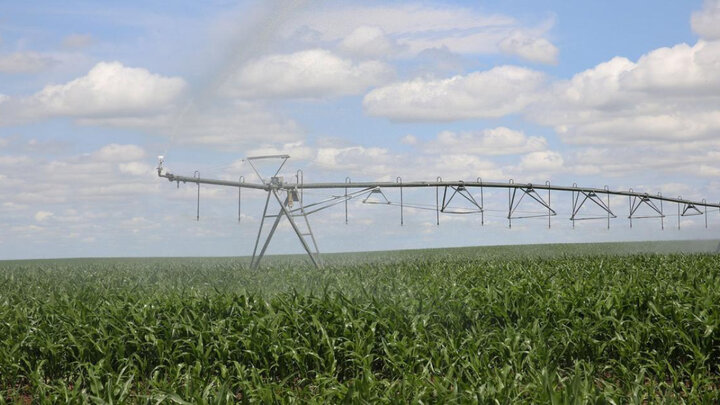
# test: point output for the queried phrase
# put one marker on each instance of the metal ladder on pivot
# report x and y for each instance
(314, 251)
(286, 210)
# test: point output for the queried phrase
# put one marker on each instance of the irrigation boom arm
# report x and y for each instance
(417, 184)
(289, 196)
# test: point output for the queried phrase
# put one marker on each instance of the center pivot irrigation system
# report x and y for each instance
(289, 196)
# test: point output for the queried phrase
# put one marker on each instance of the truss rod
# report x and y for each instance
(504, 185)
(419, 184)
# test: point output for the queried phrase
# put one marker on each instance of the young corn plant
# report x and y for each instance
(590, 328)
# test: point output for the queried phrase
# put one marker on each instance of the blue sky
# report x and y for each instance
(614, 93)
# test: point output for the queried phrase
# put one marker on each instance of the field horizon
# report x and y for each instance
(532, 249)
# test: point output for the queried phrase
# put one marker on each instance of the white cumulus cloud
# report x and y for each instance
(668, 95)
(369, 42)
(135, 168)
(356, 159)
(119, 153)
(417, 27)
(313, 73)
(385, 165)
(544, 161)
(109, 89)
(493, 93)
(495, 141)
(530, 47)
(706, 22)
(682, 69)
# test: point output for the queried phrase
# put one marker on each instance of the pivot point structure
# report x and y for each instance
(287, 198)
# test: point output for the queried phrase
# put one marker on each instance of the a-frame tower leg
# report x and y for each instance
(284, 212)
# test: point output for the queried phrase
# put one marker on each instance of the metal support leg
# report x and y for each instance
(347, 181)
(547, 183)
(437, 206)
(511, 199)
(662, 216)
(296, 229)
(608, 206)
(262, 222)
(275, 224)
(482, 203)
(197, 175)
(240, 180)
(402, 219)
(574, 197)
(444, 199)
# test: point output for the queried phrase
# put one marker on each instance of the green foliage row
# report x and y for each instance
(597, 329)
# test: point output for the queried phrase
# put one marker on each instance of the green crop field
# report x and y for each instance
(601, 323)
